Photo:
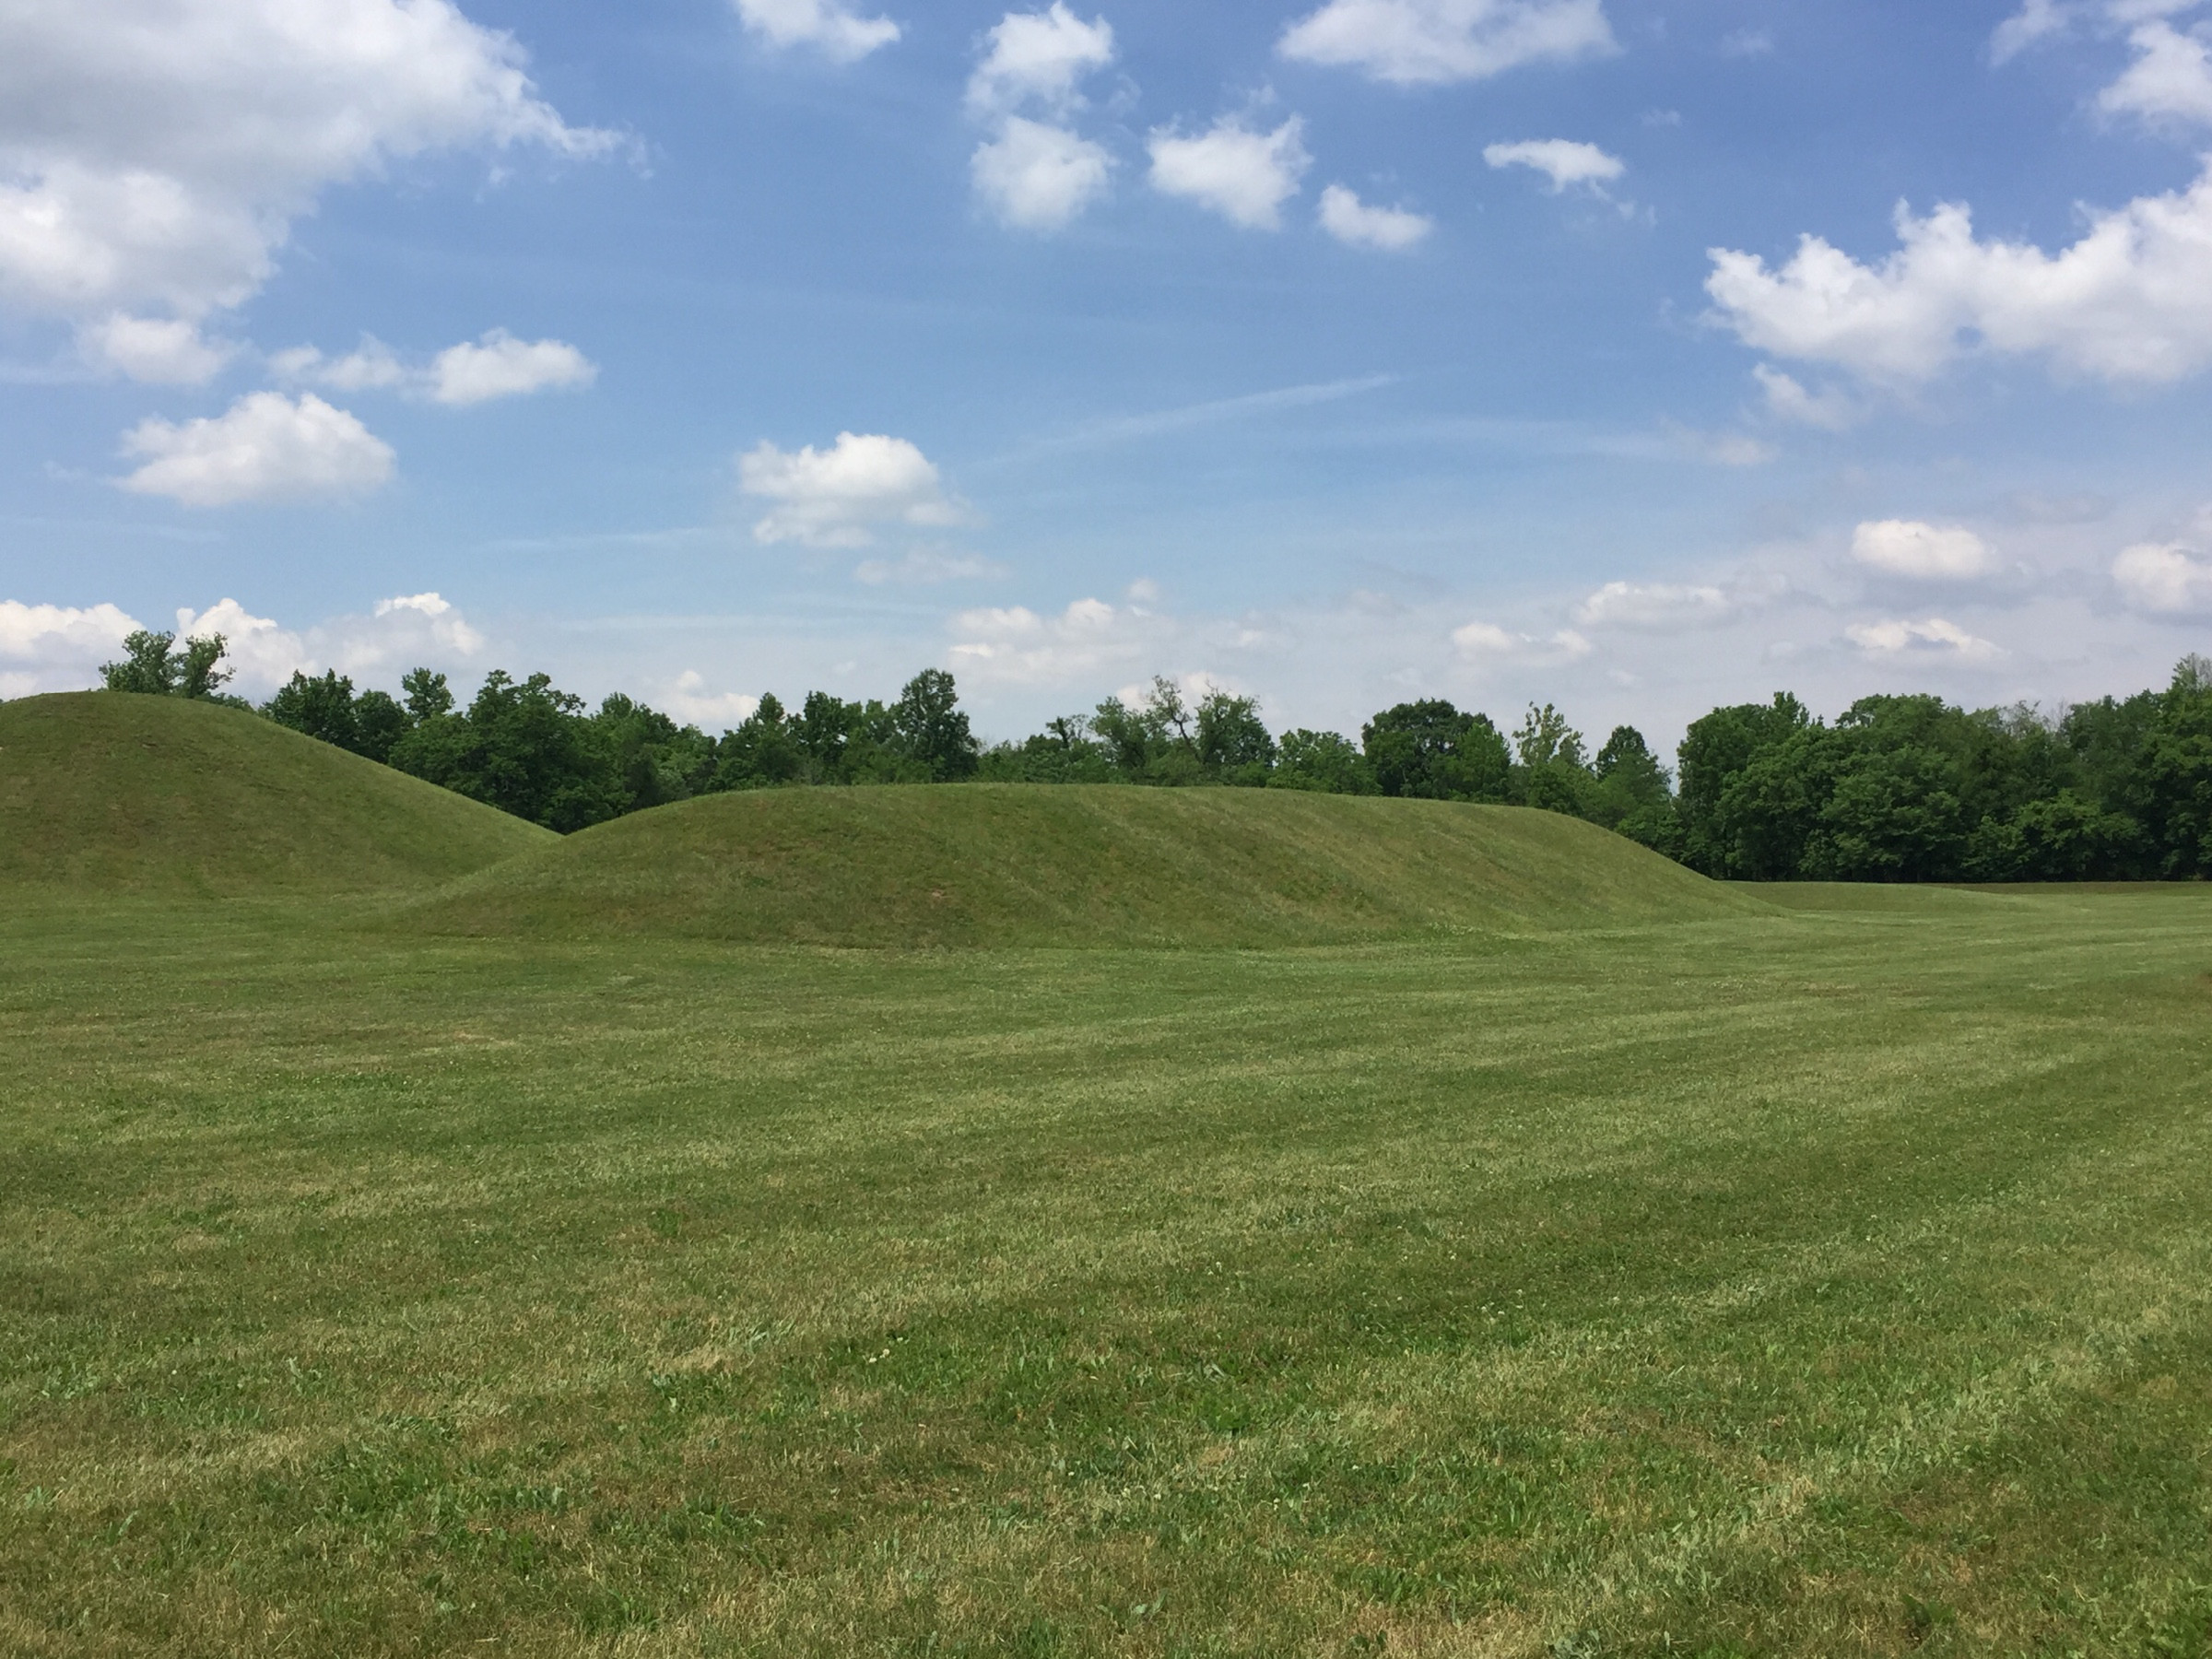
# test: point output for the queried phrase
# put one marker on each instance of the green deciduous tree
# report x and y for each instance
(524, 747)
(932, 729)
(1430, 750)
(1325, 761)
(1715, 750)
(154, 666)
(322, 707)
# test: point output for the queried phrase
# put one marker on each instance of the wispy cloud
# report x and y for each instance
(1130, 428)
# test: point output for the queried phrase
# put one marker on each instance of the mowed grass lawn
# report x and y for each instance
(1836, 1281)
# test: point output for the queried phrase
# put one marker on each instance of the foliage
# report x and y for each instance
(1897, 788)
(1430, 751)
(1321, 760)
(1160, 739)
(154, 664)
(524, 747)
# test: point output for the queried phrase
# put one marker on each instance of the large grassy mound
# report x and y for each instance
(1009, 864)
(105, 791)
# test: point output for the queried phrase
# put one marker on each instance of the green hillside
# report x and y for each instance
(107, 792)
(1013, 865)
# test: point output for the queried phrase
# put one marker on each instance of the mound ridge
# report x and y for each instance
(978, 864)
(109, 792)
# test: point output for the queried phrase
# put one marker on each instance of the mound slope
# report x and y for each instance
(104, 790)
(1013, 865)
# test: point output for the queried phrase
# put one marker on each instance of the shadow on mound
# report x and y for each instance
(1015, 864)
(106, 791)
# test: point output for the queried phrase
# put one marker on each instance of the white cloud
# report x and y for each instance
(829, 26)
(403, 631)
(2036, 20)
(1426, 42)
(473, 372)
(372, 368)
(1486, 642)
(1935, 637)
(1788, 399)
(61, 636)
(268, 448)
(926, 567)
(1014, 645)
(2170, 80)
(833, 497)
(1562, 160)
(2161, 578)
(1037, 177)
(502, 366)
(1351, 221)
(2130, 301)
(156, 350)
(400, 633)
(263, 653)
(156, 151)
(1749, 44)
(1242, 175)
(690, 702)
(1922, 552)
(1657, 606)
(1039, 58)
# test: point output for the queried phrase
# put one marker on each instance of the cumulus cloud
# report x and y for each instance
(267, 448)
(2171, 79)
(1014, 645)
(1922, 552)
(1562, 160)
(1428, 42)
(1038, 175)
(57, 636)
(1243, 175)
(2164, 579)
(1932, 637)
(1657, 606)
(402, 632)
(155, 152)
(1352, 222)
(263, 652)
(835, 497)
(1487, 642)
(692, 703)
(1035, 176)
(828, 27)
(497, 366)
(2129, 302)
(1039, 58)
(397, 634)
(160, 351)
(501, 366)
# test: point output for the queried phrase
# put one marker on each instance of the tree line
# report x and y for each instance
(1897, 788)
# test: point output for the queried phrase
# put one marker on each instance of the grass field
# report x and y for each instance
(101, 793)
(1829, 1278)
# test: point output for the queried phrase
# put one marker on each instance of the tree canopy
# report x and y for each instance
(1896, 788)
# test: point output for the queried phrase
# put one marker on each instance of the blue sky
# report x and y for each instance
(1337, 352)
